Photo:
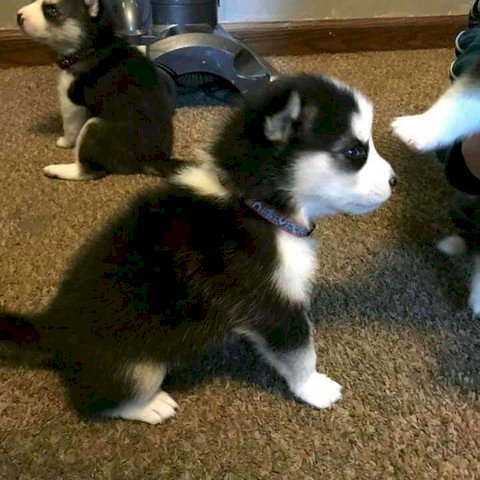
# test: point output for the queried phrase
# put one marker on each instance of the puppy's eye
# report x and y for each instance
(356, 153)
(50, 11)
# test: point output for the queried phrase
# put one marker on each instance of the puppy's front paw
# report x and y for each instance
(160, 408)
(319, 391)
(64, 142)
(418, 132)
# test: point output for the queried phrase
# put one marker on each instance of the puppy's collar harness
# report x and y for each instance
(279, 220)
(69, 60)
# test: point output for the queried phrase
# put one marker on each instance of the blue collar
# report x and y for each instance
(279, 220)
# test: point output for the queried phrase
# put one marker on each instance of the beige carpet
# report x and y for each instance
(393, 326)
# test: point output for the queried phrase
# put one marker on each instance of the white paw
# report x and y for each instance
(418, 132)
(70, 171)
(63, 142)
(452, 245)
(160, 408)
(319, 391)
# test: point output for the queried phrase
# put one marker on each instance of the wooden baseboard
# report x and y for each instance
(334, 36)
(293, 38)
(18, 50)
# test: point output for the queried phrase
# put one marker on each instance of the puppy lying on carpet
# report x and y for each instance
(454, 117)
(117, 107)
(224, 246)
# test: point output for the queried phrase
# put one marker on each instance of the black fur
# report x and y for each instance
(137, 101)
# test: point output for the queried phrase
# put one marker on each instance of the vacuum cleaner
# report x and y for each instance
(184, 38)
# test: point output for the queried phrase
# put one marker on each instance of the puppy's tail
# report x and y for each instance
(20, 331)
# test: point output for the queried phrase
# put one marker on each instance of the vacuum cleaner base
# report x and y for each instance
(199, 54)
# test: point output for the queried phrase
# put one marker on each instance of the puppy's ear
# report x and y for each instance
(278, 126)
(93, 7)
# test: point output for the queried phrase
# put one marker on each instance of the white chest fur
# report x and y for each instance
(296, 267)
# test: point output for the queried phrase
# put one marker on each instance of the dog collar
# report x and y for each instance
(279, 220)
(68, 60)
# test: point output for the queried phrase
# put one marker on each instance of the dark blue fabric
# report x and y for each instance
(456, 170)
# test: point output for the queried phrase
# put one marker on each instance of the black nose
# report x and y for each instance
(393, 181)
(20, 19)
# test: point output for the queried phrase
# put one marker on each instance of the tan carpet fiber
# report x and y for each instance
(392, 322)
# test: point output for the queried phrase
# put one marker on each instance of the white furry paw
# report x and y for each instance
(452, 245)
(161, 407)
(418, 132)
(319, 391)
(70, 171)
(64, 142)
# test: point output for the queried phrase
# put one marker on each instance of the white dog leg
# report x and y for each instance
(298, 368)
(73, 116)
(454, 116)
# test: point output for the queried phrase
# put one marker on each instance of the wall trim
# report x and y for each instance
(335, 36)
(293, 38)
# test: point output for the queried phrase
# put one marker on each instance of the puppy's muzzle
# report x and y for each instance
(393, 181)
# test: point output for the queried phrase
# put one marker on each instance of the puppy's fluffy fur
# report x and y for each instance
(189, 262)
(454, 116)
(117, 108)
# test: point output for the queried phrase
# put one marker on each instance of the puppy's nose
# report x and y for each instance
(393, 181)
(20, 19)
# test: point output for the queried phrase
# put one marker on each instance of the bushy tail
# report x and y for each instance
(19, 330)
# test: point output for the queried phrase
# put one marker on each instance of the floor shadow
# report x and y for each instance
(51, 124)
(414, 287)
(235, 360)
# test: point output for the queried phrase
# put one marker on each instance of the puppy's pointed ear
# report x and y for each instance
(278, 126)
(93, 7)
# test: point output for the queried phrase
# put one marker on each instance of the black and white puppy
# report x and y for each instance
(454, 116)
(117, 108)
(224, 246)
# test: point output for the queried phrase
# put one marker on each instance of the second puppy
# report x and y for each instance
(117, 108)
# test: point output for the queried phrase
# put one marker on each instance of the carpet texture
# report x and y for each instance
(392, 323)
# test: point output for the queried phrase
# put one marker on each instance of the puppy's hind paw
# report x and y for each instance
(63, 142)
(417, 131)
(70, 171)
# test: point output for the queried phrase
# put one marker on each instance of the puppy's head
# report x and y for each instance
(64, 25)
(306, 143)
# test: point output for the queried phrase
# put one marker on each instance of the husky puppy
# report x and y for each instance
(117, 108)
(225, 245)
(454, 116)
